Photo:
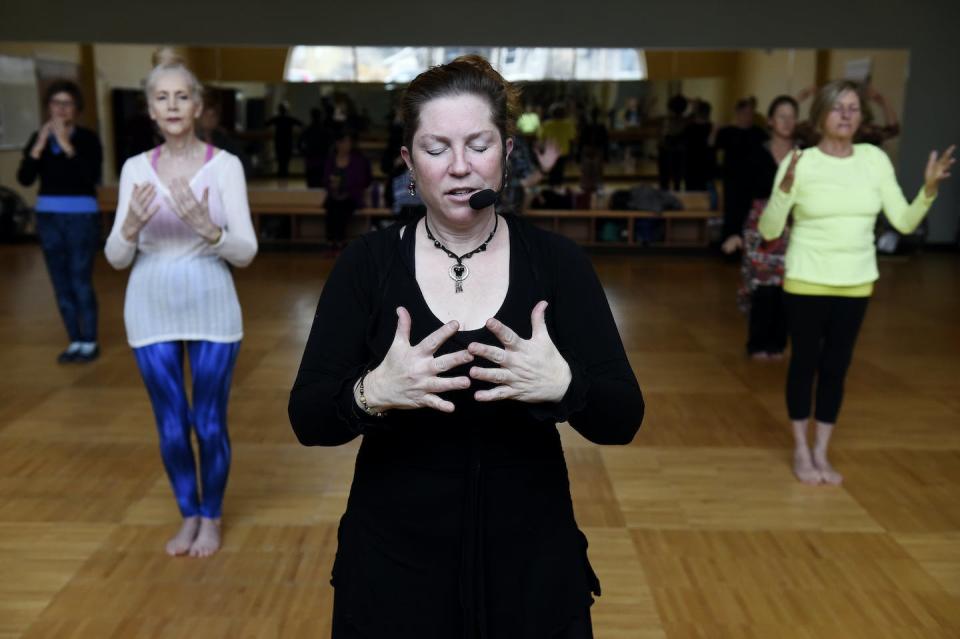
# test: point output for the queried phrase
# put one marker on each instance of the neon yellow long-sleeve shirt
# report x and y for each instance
(835, 204)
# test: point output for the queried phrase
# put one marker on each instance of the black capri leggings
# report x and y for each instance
(823, 330)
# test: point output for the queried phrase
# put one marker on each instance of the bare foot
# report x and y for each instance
(804, 469)
(208, 539)
(759, 356)
(180, 543)
(827, 472)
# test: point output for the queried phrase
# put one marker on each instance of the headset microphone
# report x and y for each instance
(483, 199)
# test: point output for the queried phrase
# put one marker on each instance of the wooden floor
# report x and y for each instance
(697, 529)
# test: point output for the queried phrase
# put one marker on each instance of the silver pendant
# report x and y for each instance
(458, 273)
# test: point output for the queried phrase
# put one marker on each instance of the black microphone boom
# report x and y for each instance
(483, 199)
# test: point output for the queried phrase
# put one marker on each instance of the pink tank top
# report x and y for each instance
(155, 156)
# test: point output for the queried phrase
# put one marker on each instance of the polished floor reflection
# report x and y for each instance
(697, 529)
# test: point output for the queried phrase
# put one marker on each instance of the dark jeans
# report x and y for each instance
(768, 321)
(70, 242)
(823, 331)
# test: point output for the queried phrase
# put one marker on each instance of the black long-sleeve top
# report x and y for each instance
(60, 174)
(461, 525)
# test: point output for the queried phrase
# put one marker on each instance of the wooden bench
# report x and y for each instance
(304, 210)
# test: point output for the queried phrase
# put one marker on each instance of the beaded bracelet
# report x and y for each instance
(363, 400)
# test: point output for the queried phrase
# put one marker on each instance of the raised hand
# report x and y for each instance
(547, 157)
(195, 213)
(875, 96)
(140, 211)
(408, 377)
(530, 370)
(59, 129)
(806, 93)
(787, 182)
(731, 244)
(42, 136)
(938, 169)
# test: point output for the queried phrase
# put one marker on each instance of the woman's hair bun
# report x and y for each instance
(166, 56)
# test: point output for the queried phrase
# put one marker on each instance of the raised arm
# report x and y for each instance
(121, 245)
(774, 217)
(238, 240)
(906, 216)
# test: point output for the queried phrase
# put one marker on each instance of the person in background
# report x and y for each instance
(182, 221)
(561, 129)
(835, 191)
(211, 130)
(761, 290)
(315, 144)
(283, 125)
(346, 178)
(738, 146)
(672, 150)
(527, 165)
(68, 159)
(699, 158)
(592, 154)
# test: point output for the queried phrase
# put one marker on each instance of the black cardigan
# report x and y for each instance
(462, 524)
(62, 175)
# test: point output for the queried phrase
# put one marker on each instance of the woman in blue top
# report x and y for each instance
(67, 158)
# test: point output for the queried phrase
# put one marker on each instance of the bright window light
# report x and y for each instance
(398, 65)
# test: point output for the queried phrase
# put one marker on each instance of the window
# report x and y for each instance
(392, 65)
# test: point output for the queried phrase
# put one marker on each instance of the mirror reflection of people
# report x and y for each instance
(835, 190)
(283, 125)
(346, 178)
(182, 221)
(737, 146)
(68, 159)
(315, 143)
(454, 345)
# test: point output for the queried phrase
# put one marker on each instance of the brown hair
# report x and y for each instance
(65, 86)
(827, 97)
(469, 74)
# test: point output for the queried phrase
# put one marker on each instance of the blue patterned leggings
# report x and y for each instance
(211, 367)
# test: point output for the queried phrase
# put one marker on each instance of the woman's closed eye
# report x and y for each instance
(436, 151)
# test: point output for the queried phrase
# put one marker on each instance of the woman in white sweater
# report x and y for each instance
(182, 216)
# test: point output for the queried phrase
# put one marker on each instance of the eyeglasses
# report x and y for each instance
(844, 110)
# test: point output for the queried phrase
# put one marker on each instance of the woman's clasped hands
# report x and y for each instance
(527, 370)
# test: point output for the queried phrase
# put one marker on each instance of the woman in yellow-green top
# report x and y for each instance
(836, 190)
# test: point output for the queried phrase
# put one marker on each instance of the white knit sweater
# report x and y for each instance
(180, 287)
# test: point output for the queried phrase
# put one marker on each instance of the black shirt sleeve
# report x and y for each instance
(603, 402)
(29, 168)
(322, 409)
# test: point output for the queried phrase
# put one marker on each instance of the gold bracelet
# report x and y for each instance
(363, 400)
(219, 235)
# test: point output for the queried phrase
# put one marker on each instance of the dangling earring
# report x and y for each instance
(412, 187)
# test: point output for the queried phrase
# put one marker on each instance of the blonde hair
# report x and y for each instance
(828, 95)
(166, 59)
